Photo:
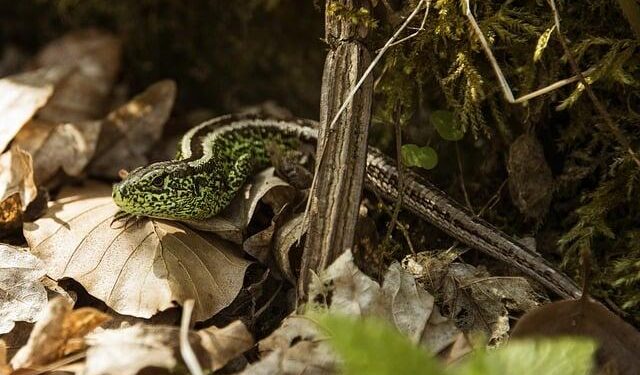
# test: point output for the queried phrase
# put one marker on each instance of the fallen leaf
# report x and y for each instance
(298, 346)
(22, 95)
(530, 178)
(59, 332)
(410, 304)
(618, 342)
(286, 238)
(128, 350)
(225, 344)
(58, 146)
(94, 57)
(233, 221)
(16, 176)
(23, 297)
(11, 215)
(138, 268)
(345, 289)
(129, 132)
(472, 297)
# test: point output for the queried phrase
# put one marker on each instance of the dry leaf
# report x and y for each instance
(59, 332)
(129, 350)
(619, 342)
(22, 95)
(94, 56)
(58, 146)
(298, 346)
(233, 221)
(129, 132)
(410, 304)
(23, 297)
(138, 268)
(11, 215)
(225, 344)
(16, 176)
(286, 238)
(475, 299)
(530, 178)
(351, 291)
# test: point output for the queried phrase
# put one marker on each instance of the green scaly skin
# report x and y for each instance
(213, 162)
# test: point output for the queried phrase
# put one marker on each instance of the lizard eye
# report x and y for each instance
(157, 181)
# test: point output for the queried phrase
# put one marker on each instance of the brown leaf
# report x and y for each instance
(58, 146)
(225, 344)
(129, 350)
(22, 95)
(619, 342)
(129, 132)
(286, 238)
(136, 268)
(348, 290)
(298, 346)
(530, 178)
(94, 57)
(16, 176)
(23, 297)
(475, 299)
(233, 221)
(59, 332)
(410, 304)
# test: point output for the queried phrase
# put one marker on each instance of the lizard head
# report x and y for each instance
(162, 190)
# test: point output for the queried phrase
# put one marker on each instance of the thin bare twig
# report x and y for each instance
(419, 29)
(617, 133)
(186, 350)
(506, 89)
(398, 135)
(462, 184)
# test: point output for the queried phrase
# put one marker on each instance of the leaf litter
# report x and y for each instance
(62, 123)
(138, 268)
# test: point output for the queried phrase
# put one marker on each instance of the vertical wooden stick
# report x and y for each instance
(335, 197)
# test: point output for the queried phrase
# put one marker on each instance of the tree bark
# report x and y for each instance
(342, 148)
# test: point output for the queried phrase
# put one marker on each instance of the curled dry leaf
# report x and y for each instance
(58, 146)
(22, 95)
(411, 305)
(298, 346)
(232, 223)
(618, 341)
(129, 132)
(530, 178)
(475, 299)
(23, 297)
(400, 300)
(136, 268)
(94, 57)
(346, 289)
(59, 332)
(129, 350)
(16, 176)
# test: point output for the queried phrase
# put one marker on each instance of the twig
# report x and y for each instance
(419, 29)
(462, 184)
(186, 350)
(617, 133)
(398, 135)
(401, 227)
(506, 89)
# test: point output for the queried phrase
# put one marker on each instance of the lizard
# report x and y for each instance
(215, 159)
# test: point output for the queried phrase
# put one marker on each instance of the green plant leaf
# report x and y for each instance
(371, 346)
(416, 156)
(446, 125)
(560, 356)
